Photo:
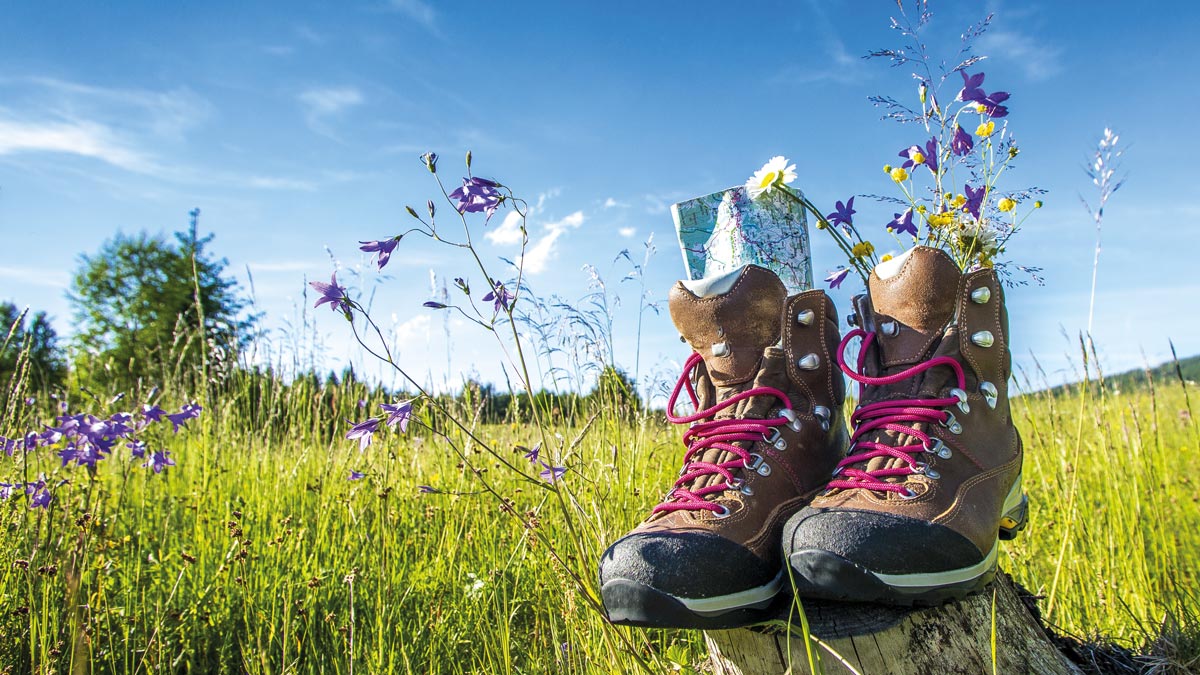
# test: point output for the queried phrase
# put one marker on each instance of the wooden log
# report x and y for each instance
(955, 638)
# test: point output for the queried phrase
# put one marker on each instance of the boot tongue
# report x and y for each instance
(730, 320)
(917, 291)
(734, 323)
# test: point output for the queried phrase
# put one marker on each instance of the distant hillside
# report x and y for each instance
(1167, 373)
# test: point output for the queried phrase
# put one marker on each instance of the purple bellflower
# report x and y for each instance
(159, 461)
(532, 455)
(331, 293)
(836, 277)
(972, 92)
(551, 473)
(843, 213)
(478, 195)
(903, 222)
(356, 475)
(363, 431)
(499, 297)
(398, 414)
(179, 419)
(382, 249)
(974, 200)
(962, 142)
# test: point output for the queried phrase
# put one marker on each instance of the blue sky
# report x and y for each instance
(296, 126)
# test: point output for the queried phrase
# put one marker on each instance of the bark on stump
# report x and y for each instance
(955, 638)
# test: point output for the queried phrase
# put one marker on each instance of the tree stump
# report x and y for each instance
(955, 638)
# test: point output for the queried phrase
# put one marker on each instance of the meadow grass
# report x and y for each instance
(257, 554)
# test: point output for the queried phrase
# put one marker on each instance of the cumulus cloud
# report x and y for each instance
(544, 249)
(508, 232)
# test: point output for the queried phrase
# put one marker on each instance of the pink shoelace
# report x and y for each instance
(717, 434)
(897, 415)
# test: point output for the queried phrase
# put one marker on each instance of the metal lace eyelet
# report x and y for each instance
(723, 513)
(907, 494)
(937, 447)
(776, 439)
(739, 484)
(990, 393)
(823, 414)
(924, 469)
(809, 362)
(805, 317)
(758, 465)
(962, 399)
(790, 416)
(952, 424)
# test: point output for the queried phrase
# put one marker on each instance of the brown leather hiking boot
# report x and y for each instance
(767, 431)
(933, 475)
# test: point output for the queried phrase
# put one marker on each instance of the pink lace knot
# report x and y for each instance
(714, 434)
(897, 415)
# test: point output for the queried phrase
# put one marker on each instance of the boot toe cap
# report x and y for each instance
(884, 543)
(686, 564)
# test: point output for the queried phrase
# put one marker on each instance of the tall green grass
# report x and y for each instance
(257, 554)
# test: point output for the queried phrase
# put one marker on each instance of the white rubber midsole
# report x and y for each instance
(958, 576)
(725, 603)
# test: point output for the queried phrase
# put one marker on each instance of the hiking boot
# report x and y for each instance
(933, 475)
(767, 430)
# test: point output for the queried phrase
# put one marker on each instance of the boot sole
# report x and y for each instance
(632, 603)
(828, 576)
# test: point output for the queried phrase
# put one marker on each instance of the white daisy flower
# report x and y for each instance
(774, 173)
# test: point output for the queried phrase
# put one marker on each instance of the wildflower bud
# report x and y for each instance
(468, 160)
(429, 159)
(1037, 204)
(1013, 151)
(412, 212)
(922, 209)
(462, 285)
(922, 91)
(887, 168)
(1006, 204)
(434, 305)
(431, 208)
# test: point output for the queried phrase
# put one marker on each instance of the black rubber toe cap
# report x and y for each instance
(687, 564)
(880, 542)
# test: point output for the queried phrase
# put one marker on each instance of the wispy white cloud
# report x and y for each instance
(278, 183)
(418, 11)
(323, 102)
(1039, 59)
(826, 61)
(544, 250)
(75, 137)
(627, 232)
(508, 232)
(611, 203)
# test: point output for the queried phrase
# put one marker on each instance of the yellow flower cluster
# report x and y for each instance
(863, 250)
(1006, 205)
(899, 174)
(940, 220)
(986, 129)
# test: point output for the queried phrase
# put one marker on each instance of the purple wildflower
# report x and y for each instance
(30, 401)
(430, 159)
(427, 490)
(6, 490)
(974, 200)
(532, 455)
(179, 419)
(152, 413)
(40, 499)
(137, 448)
(843, 213)
(331, 293)
(972, 92)
(478, 195)
(499, 297)
(159, 460)
(836, 277)
(398, 414)
(962, 142)
(356, 475)
(382, 248)
(551, 473)
(363, 431)
(903, 222)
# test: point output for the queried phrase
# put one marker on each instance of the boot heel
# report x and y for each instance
(1014, 520)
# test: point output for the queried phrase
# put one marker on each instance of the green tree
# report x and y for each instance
(154, 310)
(30, 347)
